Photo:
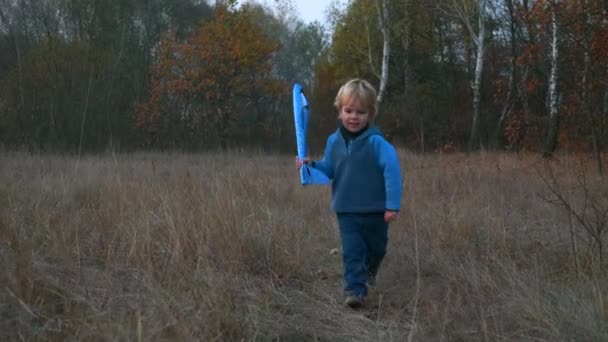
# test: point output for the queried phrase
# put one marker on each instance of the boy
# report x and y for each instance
(366, 187)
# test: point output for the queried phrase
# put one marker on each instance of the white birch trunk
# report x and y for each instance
(384, 22)
(480, 42)
(552, 136)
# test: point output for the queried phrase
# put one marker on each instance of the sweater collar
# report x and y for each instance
(348, 135)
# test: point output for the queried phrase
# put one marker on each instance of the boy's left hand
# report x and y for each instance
(390, 215)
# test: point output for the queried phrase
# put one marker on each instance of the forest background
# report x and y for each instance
(187, 74)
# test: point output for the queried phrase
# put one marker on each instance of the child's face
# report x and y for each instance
(354, 115)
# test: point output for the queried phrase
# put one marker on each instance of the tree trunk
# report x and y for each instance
(604, 114)
(586, 88)
(223, 126)
(421, 135)
(15, 35)
(406, 48)
(19, 72)
(474, 142)
(384, 21)
(525, 103)
(525, 99)
(509, 104)
(605, 99)
(553, 133)
(605, 109)
(84, 112)
(406, 41)
(506, 112)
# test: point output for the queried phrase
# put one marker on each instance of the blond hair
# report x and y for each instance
(359, 89)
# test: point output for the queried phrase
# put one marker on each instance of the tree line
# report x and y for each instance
(87, 75)
(502, 74)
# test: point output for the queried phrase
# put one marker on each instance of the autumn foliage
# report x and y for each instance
(203, 86)
(582, 79)
(92, 75)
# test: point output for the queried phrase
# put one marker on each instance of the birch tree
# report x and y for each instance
(384, 24)
(553, 99)
(480, 43)
(509, 103)
(462, 11)
(362, 42)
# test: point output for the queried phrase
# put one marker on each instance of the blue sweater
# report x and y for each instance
(365, 173)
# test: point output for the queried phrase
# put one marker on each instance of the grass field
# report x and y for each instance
(231, 247)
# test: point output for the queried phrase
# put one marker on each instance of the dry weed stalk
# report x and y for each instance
(591, 215)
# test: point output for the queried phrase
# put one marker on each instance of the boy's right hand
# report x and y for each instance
(300, 162)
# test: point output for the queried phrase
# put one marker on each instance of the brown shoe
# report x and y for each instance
(354, 301)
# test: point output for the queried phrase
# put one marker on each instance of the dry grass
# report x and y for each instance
(231, 247)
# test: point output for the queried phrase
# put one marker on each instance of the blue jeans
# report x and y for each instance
(364, 238)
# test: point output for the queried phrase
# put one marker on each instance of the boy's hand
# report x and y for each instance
(300, 162)
(390, 215)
